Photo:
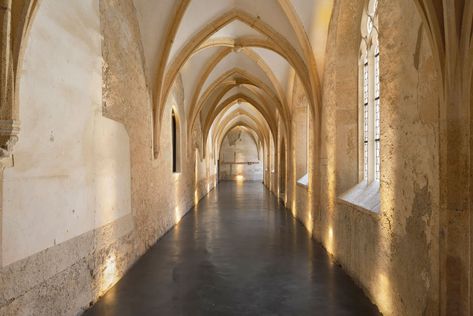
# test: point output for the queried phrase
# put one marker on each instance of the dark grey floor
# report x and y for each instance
(237, 253)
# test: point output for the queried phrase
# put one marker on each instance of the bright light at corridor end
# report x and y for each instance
(240, 178)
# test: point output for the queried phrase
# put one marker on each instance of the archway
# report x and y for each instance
(240, 158)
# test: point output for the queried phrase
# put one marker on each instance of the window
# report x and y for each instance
(370, 92)
(377, 129)
(366, 194)
(176, 164)
(302, 155)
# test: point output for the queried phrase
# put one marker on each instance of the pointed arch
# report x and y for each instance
(223, 80)
(275, 42)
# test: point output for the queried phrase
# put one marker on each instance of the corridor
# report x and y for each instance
(119, 119)
(238, 252)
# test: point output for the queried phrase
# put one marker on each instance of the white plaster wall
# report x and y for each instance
(239, 146)
(72, 166)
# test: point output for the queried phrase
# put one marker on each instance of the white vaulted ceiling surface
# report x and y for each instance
(237, 59)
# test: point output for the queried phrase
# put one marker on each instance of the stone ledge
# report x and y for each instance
(304, 181)
(364, 197)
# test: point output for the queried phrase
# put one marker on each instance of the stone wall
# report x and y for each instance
(300, 119)
(393, 254)
(301, 200)
(87, 136)
(119, 220)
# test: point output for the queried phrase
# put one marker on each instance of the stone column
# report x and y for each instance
(5, 162)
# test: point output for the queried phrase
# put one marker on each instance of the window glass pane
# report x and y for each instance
(365, 165)
(376, 71)
(377, 126)
(365, 117)
(371, 97)
(369, 25)
(377, 159)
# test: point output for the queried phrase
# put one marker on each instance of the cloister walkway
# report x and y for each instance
(237, 253)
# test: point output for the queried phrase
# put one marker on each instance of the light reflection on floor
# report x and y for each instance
(240, 254)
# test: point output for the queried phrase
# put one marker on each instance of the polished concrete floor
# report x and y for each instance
(237, 253)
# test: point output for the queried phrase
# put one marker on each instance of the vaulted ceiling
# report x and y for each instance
(237, 59)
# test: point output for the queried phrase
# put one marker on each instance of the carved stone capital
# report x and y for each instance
(9, 130)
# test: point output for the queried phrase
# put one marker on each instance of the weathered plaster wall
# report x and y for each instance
(157, 203)
(72, 166)
(239, 146)
(91, 83)
(393, 254)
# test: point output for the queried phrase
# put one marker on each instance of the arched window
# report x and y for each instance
(370, 94)
(176, 150)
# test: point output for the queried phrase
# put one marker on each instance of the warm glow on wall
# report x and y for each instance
(329, 244)
(310, 223)
(310, 204)
(109, 277)
(196, 197)
(240, 178)
(177, 214)
(383, 292)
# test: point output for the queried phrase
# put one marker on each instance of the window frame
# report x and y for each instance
(365, 196)
(370, 92)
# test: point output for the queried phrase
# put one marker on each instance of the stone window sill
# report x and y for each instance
(304, 181)
(364, 197)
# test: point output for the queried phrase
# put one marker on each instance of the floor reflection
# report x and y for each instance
(240, 254)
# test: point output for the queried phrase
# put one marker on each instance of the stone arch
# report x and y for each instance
(219, 56)
(221, 82)
(247, 126)
(287, 50)
(260, 125)
(16, 23)
(276, 43)
(226, 104)
(244, 163)
(233, 122)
